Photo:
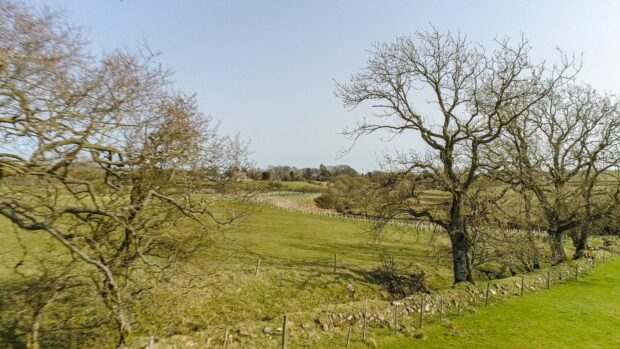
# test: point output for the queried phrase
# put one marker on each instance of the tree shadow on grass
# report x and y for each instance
(65, 322)
(353, 266)
(11, 333)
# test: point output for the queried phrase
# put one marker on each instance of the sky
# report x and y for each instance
(267, 69)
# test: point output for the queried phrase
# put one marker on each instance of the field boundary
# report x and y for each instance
(406, 315)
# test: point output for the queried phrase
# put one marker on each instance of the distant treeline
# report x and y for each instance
(290, 173)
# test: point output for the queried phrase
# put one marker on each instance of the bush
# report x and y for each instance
(345, 194)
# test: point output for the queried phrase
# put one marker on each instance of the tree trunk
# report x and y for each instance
(460, 254)
(124, 328)
(457, 230)
(532, 241)
(33, 335)
(558, 255)
(581, 243)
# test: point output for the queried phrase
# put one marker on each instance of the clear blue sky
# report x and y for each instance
(266, 68)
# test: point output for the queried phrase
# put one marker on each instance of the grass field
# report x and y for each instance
(300, 186)
(296, 272)
(578, 314)
(292, 201)
(293, 186)
(297, 258)
(297, 276)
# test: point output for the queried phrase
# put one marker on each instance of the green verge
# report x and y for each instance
(578, 314)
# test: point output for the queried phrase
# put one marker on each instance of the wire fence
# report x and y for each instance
(411, 313)
(419, 225)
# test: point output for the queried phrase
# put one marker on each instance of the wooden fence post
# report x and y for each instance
(226, 337)
(486, 296)
(395, 318)
(522, 284)
(364, 325)
(548, 279)
(576, 272)
(422, 311)
(349, 336)
(441, 309)
(257, 267)
(284, 331)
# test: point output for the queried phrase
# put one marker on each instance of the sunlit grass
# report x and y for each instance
(578, 314)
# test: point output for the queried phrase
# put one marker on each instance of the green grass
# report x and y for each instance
(297, 277)
(294, 186)
(296, 274)
(292, 201)
(578, 314)
(290, 240)
(304, 186)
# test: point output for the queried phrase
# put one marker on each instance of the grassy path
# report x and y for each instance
(579, 314)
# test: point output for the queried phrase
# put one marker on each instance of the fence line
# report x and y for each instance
(434, 306)
(419, 225)
(398, 222)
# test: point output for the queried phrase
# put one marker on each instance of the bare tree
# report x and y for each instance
(471, 95)
(563, 152)
(106, 157)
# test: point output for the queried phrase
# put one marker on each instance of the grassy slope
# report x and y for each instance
(296, 252)
(297, 276)
(286, 238)
(580, 314)
(292, 201)
(304, 186)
